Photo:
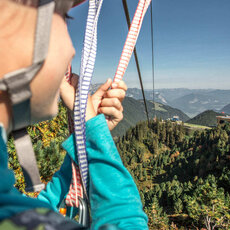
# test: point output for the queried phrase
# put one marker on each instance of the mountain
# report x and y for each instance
(164, 96)
(207, 118)
(195, 103)
(190, 101)
(134, 111)
(226, 109)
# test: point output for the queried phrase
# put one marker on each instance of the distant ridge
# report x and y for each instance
(134, 112)
(226, 109)
(190, 101)
(206, 118)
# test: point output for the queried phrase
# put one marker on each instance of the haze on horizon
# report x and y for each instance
(191, 43)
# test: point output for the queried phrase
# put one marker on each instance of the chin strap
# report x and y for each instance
(17, 84)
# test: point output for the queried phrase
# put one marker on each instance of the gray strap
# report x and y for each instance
(44, 22)
(22, 114)
(23, 143)
(20, 97)
(27, 161)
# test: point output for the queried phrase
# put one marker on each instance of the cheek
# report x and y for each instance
(45, 86)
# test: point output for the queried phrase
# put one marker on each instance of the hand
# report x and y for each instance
(103, 100)
(68, 91)
(108, 101)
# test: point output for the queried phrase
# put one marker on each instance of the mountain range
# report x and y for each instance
(202, 105)
(190, 101)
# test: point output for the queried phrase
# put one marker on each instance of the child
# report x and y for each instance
(114, 199)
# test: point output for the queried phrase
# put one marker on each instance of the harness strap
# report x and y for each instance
(131, 39)
(20, 92)
(27, 161)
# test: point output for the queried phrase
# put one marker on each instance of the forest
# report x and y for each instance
(183, 177)
(184, 180)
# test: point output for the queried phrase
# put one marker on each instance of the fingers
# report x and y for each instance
(115, 93)
(111, 112)
(103, 88)
(119, 85)
(67, 91)
(112, 102)
(118, 91)
(90, 111)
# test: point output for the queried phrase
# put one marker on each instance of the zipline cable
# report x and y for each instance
(153, 69)
(125, 6)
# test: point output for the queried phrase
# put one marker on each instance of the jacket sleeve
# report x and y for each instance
(58, 187)
(113, 194)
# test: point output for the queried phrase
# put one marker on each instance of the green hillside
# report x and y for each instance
(226, 109)
(207, 118)
(184, 182)
(134, 111)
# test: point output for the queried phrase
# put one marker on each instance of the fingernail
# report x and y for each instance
(108, 80)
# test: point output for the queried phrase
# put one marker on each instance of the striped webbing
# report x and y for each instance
(87, 66)
(75, 189)
(131, 39)
(86, 72)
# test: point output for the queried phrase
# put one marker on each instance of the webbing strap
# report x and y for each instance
(87, 65)
(27, 161)
(21, 109)
(131, 39)
(86, 72)
(42, 37)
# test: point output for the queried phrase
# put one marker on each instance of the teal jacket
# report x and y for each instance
(113, 195)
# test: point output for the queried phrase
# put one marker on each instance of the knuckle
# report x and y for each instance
(116, 102)
(113, 110)
(123, 94)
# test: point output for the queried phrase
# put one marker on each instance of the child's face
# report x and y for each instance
(16, 44)
(45, 86)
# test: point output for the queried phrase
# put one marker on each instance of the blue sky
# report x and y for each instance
(191, 43)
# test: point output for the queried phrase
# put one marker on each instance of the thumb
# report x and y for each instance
(103, 88)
